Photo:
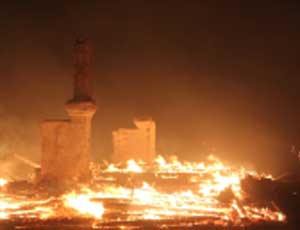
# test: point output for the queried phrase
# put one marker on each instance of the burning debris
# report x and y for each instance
(169, 192)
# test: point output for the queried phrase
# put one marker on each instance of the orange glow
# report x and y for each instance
(2, 182)
(196, 195)
(83, 204)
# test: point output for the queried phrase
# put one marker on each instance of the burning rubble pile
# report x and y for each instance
(168, 192)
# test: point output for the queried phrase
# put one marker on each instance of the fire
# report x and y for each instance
(132, 166)
(166, 189)
(15, 206)
(3, 182)
(83, 204)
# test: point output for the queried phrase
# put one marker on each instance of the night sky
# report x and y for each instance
(220, 78)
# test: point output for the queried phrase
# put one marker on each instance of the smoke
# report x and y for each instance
(16, 137)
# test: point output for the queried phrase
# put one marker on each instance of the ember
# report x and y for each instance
(161, 191)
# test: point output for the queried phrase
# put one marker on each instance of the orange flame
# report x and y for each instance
(199, 198)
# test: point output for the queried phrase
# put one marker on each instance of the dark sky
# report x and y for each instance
(220, 75)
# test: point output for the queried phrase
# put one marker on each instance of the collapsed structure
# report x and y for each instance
(66, 144)
(137, 143)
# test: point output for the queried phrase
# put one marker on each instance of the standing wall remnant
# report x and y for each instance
(137, 143)
(66, 144)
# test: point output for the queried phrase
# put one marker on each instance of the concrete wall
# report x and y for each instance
(55, 142)
(138, 143)
(65, 150)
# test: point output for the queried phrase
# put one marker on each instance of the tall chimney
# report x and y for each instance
(66, 144)
(81, 108)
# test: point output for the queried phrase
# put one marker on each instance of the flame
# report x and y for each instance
(3, 182)
(83, 204)
(132, 198)
(132, 166)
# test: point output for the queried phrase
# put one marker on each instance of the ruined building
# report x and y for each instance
(66, 144)
(137, 143)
